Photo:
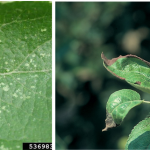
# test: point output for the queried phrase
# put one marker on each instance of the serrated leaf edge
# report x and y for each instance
(134, 128)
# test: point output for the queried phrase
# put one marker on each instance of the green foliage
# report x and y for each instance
(139, 137)
(118, 105)
(136, 72)
(25, 73)
(132, 69)
(83, 85)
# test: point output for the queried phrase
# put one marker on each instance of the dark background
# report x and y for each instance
(83, 31)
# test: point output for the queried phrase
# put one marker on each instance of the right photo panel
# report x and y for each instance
(102, 75)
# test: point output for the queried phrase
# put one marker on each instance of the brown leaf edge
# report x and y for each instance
(109, 122)
(113, 60)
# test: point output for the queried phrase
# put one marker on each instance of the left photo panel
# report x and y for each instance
(25, 74)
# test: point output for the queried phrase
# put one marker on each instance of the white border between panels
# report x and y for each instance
(53, 75)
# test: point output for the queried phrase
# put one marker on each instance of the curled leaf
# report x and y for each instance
(132, 69)
(118, 105)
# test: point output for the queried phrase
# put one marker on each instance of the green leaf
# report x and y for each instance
(132, 69)
(140, 136)
(25, 73)
(118, 105)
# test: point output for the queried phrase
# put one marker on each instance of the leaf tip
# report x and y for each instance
(107, 61)
(111, 61)
(109, 122)
(105, 129)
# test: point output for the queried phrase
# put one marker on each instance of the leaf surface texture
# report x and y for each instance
(118, 105)
(132, 69)
(25, 73)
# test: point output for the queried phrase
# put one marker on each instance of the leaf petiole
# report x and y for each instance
(146, 102)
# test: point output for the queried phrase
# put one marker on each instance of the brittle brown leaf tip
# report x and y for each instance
(111, 61)
(107, 61)
(109, 122)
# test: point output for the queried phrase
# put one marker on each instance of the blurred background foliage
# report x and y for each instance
(83, 31)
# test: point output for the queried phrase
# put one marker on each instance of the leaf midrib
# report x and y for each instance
(123, 103)
(20, 21)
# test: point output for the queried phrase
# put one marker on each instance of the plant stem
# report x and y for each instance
(146, 102)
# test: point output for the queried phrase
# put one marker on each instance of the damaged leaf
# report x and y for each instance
(139, 137)
(25, 74)
(118, 105)
(132, 69)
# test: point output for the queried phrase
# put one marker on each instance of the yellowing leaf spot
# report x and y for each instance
(6, 88)
(42, 54)
(17, 146)
(3, 107)
(43, 30)
(27, 65)
(32, 87)
(3, 148)
(15, 95)
(7, 69)
(33, 55)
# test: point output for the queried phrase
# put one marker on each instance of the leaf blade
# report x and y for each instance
(134, 70)
(118, 105)
(25, 73)
(139, 137)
